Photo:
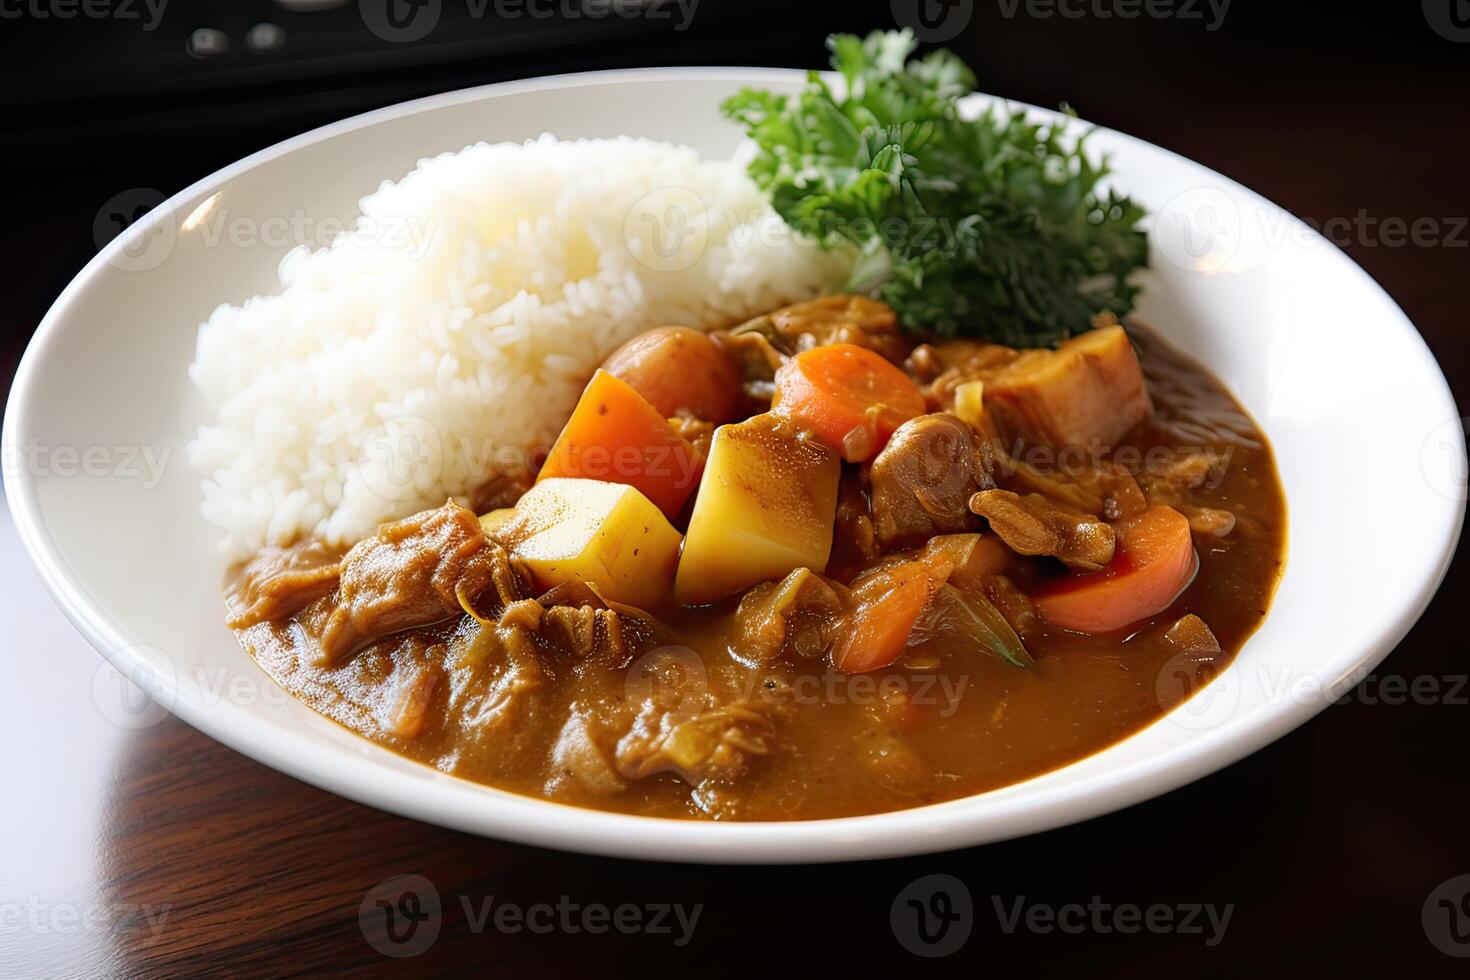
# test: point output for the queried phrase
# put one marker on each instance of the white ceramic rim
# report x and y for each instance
(936, 827)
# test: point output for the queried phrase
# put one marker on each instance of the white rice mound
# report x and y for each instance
(449, 333)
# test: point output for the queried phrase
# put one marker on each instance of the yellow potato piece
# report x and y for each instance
(765, 507)
(607, 535)
(492, 522)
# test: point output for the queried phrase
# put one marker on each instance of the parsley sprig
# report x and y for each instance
(993, 226)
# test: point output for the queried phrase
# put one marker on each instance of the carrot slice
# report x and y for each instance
(616, 436)
(1154, 562)
(849, 396)
(886, 607)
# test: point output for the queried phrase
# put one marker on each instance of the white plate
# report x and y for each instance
(1368, 439)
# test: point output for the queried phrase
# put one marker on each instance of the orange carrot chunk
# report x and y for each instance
(616, 436)
(850, 397)
(1155, 561)
(885, 608)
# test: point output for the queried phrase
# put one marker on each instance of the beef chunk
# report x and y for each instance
(416, 572)
(579, 756)
(924, 478)
(585, 630)
(1101, 488)
(280, 582)
(798, 615)
(843, 319)
(1173, 484)
(1033, 525)
(500, 695)
(683, 727)
(720, 742)
(762, 344)
(573, 618)
(1088, 392)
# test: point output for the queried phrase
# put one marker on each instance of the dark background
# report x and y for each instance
(1327, 843)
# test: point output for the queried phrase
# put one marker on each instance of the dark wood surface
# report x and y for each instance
(148, 849)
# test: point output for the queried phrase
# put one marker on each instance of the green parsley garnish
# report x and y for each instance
(991, 227)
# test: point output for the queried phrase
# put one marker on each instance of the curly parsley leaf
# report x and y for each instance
(993, 226)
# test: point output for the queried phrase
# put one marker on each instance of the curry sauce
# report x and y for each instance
(741, 708)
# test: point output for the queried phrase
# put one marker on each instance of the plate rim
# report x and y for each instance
(926, 829)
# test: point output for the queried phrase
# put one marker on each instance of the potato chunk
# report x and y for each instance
(765, 507)
(1089, 391)
(607, 535)
(492, 523)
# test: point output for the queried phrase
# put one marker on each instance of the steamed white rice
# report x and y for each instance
(450, 332)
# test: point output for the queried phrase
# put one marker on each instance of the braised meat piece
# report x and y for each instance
(1172, 484)
(924, 478)
(1101, 488)
(843, 319)
(943, 367)
(280, 582)
(761, 345)
(1088, 392)
(1033, 525)
(585, 631)
(416, 572)
(682, 726)
(720, 742)
(579, 756)
(797, 615)
(500, 696)
(574, 619)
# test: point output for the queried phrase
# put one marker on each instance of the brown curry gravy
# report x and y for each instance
(986, 724)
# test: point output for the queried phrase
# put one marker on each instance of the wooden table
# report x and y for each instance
(131, 845)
